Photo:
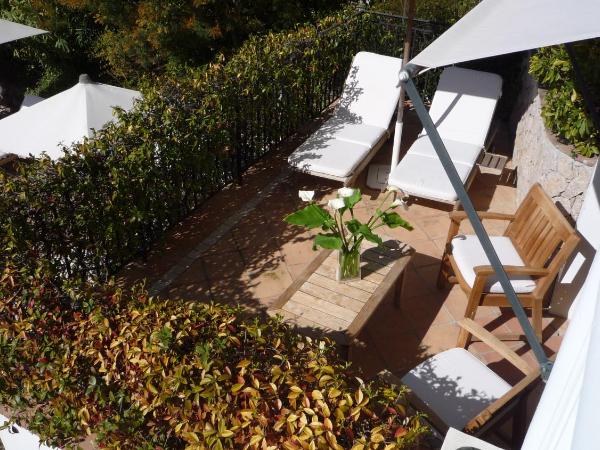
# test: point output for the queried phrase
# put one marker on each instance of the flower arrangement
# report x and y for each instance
(344, 232)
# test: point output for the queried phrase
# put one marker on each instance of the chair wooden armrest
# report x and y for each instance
(485, 271)
(456, 217)
(496, 344)
(531, 373)
(459, 216)
(484, 416)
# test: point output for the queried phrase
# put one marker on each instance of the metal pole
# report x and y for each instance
(484, 239)
(400, 113)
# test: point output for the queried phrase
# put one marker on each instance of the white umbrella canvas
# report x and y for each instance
(11, 31)
(63, 119)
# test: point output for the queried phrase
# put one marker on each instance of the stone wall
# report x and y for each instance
(539, 157)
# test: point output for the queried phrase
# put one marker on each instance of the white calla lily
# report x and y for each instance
(306, 196)
(399, 202)
(336, 203)
(345, 192)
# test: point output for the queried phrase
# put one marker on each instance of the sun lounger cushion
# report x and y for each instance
(328, 156)
(456, 385)
(462, 110)
(460, 152)
(359, 133)
(463, 104)
(468, 254)
(371, 90)
(424, 176)
(359, 123)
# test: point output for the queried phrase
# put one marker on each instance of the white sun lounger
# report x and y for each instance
(462, 110)
(345, 144)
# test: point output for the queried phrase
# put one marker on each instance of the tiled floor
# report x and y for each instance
(256, 258)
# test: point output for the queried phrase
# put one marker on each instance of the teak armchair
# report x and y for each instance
(458, 390)
(535, 245)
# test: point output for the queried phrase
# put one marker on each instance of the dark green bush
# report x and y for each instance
(109, 198)
(443, 11)
(564, 110)
(146, 373)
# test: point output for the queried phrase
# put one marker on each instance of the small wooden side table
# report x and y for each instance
(317, 304)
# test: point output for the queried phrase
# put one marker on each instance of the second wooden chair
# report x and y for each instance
(536, 244)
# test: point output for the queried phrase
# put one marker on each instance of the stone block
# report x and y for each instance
(539, 159)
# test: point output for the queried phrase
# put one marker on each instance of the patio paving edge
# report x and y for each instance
(185, 262)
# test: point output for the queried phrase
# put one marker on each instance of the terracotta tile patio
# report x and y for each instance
(251, 261)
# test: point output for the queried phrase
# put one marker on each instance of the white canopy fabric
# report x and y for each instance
(19, 438)
(65, 118)
(10, 31)
(566, 417)
(498, 27)
(30, 100)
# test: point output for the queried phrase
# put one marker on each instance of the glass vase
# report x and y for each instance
(348, 265)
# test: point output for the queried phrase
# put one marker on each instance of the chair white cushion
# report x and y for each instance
(455, 440)
(463, 104)
(460, 152)
(468, 253)
(328, 156)
(424, 176)
(456, 386)
(371, 90)
(346, 130)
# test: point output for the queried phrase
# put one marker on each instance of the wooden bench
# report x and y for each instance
(318, 305)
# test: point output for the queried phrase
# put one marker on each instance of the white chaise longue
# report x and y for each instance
(462, 110)
(343, 146)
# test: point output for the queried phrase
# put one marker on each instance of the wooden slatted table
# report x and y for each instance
(317, 304)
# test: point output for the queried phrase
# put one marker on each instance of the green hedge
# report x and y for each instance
(146, 373)
(109, 198)
(564, 110)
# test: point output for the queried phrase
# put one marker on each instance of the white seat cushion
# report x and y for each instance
(468, 253)
(328, 156)
(371, 90)
(456, 440)
(464, 103)
(345, 130)
(456, 386)
(460, 152)
(424, 176)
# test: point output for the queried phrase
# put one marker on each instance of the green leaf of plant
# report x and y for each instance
(313, 216)
(353, 225)
(393, 220)
(351, 201)
(329, 241)
(369, 235)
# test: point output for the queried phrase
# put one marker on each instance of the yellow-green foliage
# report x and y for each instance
(146, 373)
(109, 198)
(564, 110)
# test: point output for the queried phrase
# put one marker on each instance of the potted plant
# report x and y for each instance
(342, 231)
